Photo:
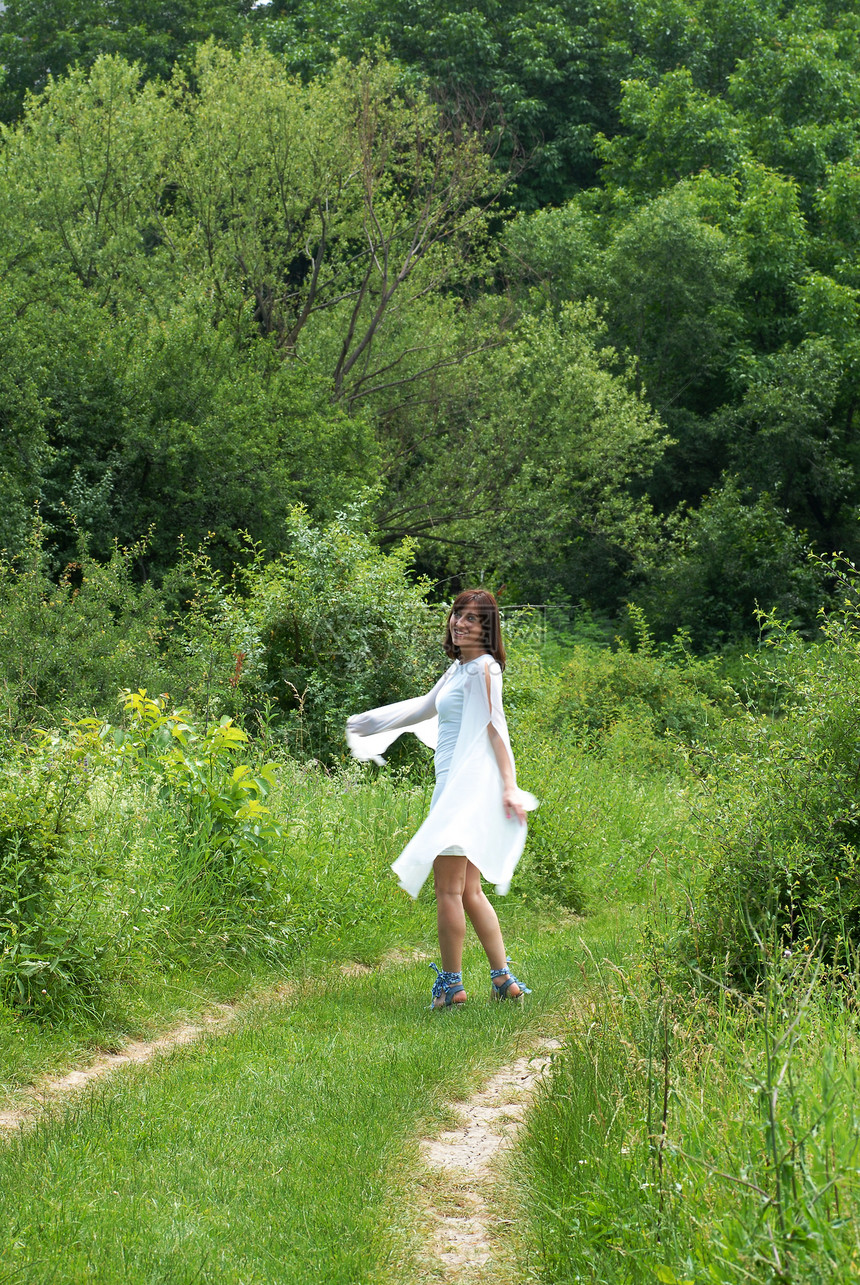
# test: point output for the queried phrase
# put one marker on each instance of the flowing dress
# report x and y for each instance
(467, 815)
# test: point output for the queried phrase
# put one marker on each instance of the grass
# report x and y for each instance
(702, 1139)
(174, 938)
(274, 1153)
(175, 941)
(280, 1151)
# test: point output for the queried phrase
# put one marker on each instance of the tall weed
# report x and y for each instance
(692, 1143)
(779, 808)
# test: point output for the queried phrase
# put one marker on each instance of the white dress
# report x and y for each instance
(466, 815)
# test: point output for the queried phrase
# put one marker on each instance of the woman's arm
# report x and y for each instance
(510, 795)
(400, 714)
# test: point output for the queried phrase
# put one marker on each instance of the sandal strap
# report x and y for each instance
(447, 984)
(502, 991)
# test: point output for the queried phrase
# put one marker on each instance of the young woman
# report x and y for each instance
(476, 823)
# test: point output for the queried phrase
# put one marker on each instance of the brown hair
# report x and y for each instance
(484, 605)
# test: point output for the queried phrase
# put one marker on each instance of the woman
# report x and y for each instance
(476, 823)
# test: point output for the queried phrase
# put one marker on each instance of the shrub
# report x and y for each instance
(223, 804)
(302, 641)
(94, 814)
(782, 814)
(72, 643)
(733, 556)
(46, 959)
(639, 700)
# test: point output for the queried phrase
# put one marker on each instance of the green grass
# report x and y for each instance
(274, 1153)
(698, 1140)
(281, 1151)
(175, 941)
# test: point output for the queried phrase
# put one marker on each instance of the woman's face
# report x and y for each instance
(467, 631)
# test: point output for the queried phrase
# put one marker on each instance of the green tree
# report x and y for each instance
(539, 73)
(24, 449)
(532, 468)
(38, 41)
(216, 281)
(782, 434)
(733, 556)
(670, 131)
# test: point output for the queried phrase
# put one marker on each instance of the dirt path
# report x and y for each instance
(462, 1210)
(52, 1089)
(216, 1021)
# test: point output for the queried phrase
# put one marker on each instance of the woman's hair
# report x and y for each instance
(484, 605)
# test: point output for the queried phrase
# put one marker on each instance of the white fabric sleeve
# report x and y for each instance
(369, 735)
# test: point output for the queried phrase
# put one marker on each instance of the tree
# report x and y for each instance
(219, 279)
(532, 469)
(23, 443)
(39, 41)
(733, 556)
(783, 437)
(538, 72)
(331, 210)
(669, 132)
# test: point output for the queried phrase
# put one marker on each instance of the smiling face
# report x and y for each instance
(467, 632)
(473, 627)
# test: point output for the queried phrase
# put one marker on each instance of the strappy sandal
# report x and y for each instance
(501, 992)
(447, 985)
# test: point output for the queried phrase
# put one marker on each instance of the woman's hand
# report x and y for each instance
(512, 805)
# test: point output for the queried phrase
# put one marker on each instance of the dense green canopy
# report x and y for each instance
(571, 287)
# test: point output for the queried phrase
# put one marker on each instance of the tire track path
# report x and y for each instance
(460, 1185)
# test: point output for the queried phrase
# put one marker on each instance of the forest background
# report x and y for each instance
(567, 292)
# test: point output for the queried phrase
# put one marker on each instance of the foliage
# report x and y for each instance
(728, 1135)
(568, 498)
(64, 902)
(69, 644)
(664, 695)
(331, 627)
(224, 808)
(48, 960)
(537, 73)
(275, 266)
(729, 559)
(780, 812)
(36, 43)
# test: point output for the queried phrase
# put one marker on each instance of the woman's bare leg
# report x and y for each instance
(449, 877)
(485, 922)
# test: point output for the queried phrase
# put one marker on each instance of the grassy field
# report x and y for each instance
(279, 1151)
(700, 1123)
(275, 1153)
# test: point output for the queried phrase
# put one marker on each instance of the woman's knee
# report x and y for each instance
(449, 876)
(474, 898)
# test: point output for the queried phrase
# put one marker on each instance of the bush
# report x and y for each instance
(302, 641)
(47, 959)
(93, 815)
(72, 644)
(639, 702)
(297, 643)
(782, 813)
(731, 557)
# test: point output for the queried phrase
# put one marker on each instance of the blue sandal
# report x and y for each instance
(447, 985)
(501, 992)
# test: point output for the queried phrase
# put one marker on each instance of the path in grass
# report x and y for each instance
(282, 1149)
(462, 1204)
(53, 1089)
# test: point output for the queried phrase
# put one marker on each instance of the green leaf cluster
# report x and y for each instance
(781, 813)
(280, 265)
